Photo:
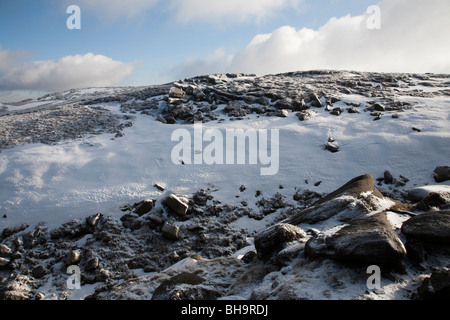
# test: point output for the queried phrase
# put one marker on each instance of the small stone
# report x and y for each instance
(73, 257)
(177, 205)
(39, 271)
(170, 231)
(331, 147)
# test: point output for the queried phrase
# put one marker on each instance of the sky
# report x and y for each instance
(146, 42)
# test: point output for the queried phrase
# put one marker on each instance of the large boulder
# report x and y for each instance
(432, 226)
(367, 240)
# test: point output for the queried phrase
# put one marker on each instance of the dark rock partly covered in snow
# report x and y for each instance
(442, 174)
(435, 287)
(177, 205)
(273, 239)
(366, 240)
(433, 226)
(353, 200)
(186, 286)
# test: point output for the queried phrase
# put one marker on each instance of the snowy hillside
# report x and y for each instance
(69, 156)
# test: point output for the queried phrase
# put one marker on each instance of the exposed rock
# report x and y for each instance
(439, 200)
(435, 287)
(186, 286)
(419, 193)
(433, 226)
(332, 147)
(366, 240)
(177, 205)
(306, 114)
(4, 262)
(170, 231)
(143, 207)
(73, 257)
(442, 174)
(176, 93)
(274, 238)
(353, 200)
(39, 271)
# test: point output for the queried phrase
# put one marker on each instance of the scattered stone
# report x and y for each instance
(39, 271)
(170, 231)
(177, 205)
(176, 93)
(388, 178)
(379, 107)
(306, 114)
(159, 186)
(73, 257)
(4, 262)
(143, 207)
(5, 251)
(416, 129)
(442, 174)
(332, 147)
(419, 193)
(437, 200)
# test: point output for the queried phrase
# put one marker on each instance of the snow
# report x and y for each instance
(50, 185)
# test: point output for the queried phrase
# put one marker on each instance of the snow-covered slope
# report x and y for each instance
(398, 123)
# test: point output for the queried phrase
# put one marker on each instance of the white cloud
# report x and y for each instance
(218, 11)
(413, 38)
(69, 72)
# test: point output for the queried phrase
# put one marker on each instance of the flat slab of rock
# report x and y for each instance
(433, 226)
(368, 240)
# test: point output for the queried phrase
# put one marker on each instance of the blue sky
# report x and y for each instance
(143, 42)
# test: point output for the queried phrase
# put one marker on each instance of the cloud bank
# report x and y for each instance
(76, 71)
(413, 37)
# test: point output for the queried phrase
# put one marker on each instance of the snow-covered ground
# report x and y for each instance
(53, 184)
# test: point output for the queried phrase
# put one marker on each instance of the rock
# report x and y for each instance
(177, 205)
(332, 147)
(186, 286)
(176, 93)
(435, 287)
(419, 193)
(352, 110)
(73, 257)
(388, 178)
(379, 107)
(5, 251)
(170, 231)
(336, 111)
(274, 238)
(4, 262)
(91, 263)
(93, 221)
(39, 271)
(143, 207)
(306, 114)
(353, 200)
(440, 200)
(366, 240)
(442, 174)
(433, 226)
